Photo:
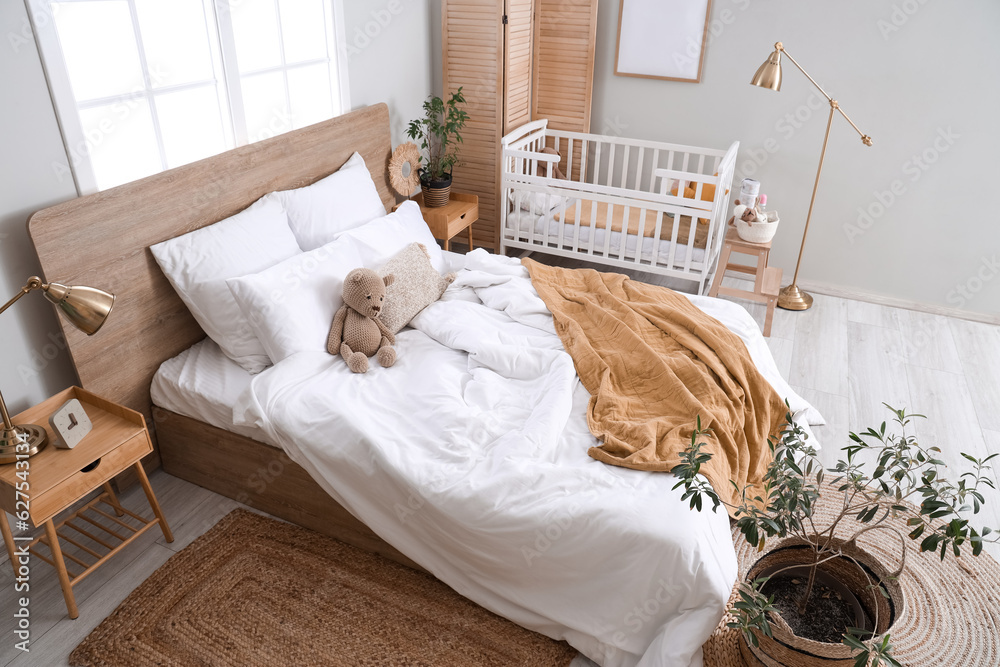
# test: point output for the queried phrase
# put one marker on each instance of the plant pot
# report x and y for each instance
(437, 193)
(785, 649)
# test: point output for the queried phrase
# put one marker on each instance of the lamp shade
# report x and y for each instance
(86, 307)
(768, 75)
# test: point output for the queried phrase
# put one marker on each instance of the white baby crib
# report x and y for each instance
(615, 205)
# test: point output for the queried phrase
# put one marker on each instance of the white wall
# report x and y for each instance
(908, 80)
(391, 48)
(32, 364)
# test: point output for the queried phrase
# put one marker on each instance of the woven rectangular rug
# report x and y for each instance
(253, 592)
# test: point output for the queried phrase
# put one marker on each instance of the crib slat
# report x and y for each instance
(657, 230)
(675, 220)
(597, 162)
(690, 244)
(624, 236)
(608, 230)
(576, 225)
(569, 159)
(638, 171)
(611, 163)
(584, 155)
(625, 167)
(593, 222)
(640, 236)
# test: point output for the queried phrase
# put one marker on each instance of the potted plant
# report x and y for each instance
(438, 132)
(815, 597)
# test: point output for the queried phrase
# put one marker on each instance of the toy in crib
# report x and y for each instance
(552, 169)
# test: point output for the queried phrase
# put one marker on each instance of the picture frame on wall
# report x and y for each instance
(662, 39)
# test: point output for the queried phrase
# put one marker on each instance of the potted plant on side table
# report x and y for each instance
(438, 132)
(815, 597)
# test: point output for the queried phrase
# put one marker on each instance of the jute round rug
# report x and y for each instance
(951, 613)
(253, 592)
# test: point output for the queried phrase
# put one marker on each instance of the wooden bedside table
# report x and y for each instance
(58, 478)
(448, 221)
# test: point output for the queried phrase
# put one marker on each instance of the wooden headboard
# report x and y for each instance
(102, 240)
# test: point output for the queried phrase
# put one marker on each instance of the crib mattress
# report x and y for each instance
(637, 219)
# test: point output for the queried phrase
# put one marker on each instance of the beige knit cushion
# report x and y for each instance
(417, 286)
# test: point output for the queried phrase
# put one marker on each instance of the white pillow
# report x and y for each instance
(290, 306)
(344, 199)
(381, 239)
(199, 263)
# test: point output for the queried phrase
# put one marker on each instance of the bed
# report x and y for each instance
(624, 203)
(490, 490)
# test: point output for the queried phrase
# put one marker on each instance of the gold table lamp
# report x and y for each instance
(768, 75)
(87, 309)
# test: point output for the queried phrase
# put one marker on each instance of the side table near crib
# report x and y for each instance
(767, 279)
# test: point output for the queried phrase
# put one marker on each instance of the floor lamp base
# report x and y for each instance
(792, 298)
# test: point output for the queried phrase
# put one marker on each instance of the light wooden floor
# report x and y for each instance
(847, 357)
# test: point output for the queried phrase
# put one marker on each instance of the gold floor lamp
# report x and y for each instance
(87, 308)
(769, 76)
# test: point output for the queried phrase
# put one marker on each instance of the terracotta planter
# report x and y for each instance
(437, 193)
(785, 649)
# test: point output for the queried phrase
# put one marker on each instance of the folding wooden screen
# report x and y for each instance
(516, 60)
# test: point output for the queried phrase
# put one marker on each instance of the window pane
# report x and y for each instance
(264, 105)
(255, 24)
(190, 124)
(309, 91)
(175, 39)
(303, 27)
(98, 44)
(122, 142)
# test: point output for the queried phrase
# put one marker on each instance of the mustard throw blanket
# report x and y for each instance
(652, 363)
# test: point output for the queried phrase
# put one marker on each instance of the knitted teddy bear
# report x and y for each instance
(357, 332)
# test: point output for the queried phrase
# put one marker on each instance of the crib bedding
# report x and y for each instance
(469, 455)
(519, 226)
(643, 219)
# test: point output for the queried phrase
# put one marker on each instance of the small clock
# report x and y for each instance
(71, 424)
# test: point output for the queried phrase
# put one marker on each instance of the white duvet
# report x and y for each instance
(470, 457)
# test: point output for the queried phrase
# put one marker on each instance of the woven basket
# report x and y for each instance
(758, 232)
(437, 197)
(785, 649)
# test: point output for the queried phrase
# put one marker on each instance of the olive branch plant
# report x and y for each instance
(904, 471)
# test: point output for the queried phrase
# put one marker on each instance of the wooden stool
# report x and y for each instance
(767, 280)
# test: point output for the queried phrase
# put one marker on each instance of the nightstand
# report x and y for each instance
(448, 221)
(58, 478)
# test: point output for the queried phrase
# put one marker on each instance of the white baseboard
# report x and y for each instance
(882, 300)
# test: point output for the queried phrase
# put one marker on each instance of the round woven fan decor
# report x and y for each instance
(405, 154)
(951, 614)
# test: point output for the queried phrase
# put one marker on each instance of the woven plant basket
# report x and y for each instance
(785, 649)
(437, 197)
(436, 193)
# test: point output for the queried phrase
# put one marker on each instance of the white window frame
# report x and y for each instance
(225, 69)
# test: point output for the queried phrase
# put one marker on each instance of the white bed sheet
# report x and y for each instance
(519, 225)
(470, 457)
(203, 383)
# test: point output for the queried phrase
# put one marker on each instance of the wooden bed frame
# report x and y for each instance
(103, 240)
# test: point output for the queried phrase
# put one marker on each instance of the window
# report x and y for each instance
(141, 86)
